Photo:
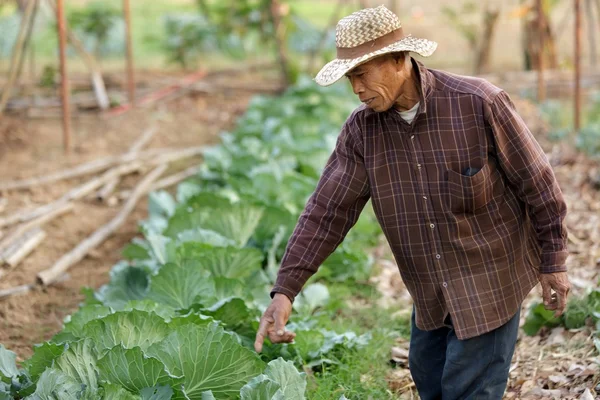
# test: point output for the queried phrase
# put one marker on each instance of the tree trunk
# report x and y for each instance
(482, 62)
(280, 41)
(591, 32)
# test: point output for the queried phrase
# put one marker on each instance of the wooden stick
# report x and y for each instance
(15, 290)
(129, 51)
(578, 34)
(21, 229)
(85, 169)
(177, 155)
(13, 259)
(158, 94)
(19, 47)
(591, 31)
(50, 275)
(275, 8)
(27, 44)
(110, 186)
(18, 243)
(92, 65)
(64, 80)
(73, 194)
(175, 178)
(167, 181)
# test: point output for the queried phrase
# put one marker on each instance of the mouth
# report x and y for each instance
(368, 101)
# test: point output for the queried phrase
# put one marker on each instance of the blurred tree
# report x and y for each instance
(530, 38)
(478, 35)
(95, 20)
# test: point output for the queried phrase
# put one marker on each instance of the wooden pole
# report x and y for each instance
(91, 63)
(577, 65)
(17, 54)
(540, 31)
(275, 8)
(591, 28)
(129, 46)
(62, 44)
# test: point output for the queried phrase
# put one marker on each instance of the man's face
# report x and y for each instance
(378, 82)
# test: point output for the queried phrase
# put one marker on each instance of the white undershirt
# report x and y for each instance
(409, 115)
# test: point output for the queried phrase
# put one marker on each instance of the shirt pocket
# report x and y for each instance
(467, 194)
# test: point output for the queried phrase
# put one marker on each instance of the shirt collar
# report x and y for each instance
(426, 84)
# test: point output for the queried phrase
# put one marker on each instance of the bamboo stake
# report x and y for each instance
(92, 65)
(50, 275)
(91, 167)
(17, 54)
(64, 80)
(74, 194)
(110, 186)
(129, 48)
(577, 65)
(591, 31)
(27, 44)
(13, 259)
(167, 181)
(279, 28)
(21, 229)
(16, 290)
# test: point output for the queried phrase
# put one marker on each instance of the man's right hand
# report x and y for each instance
(272, 323)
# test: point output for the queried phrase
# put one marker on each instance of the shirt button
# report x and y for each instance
(424, 197)
(412, 137)
(445, 284)
(438, 256)
(432, 226)
(419, 166)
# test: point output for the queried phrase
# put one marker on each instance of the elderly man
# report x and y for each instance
(465, 197)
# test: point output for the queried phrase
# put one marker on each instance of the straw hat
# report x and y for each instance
(366, 34)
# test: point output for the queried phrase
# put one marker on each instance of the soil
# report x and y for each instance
(32, 147)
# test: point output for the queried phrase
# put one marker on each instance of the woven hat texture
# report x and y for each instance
(366, 34)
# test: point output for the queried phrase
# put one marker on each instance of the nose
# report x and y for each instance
(357, 86)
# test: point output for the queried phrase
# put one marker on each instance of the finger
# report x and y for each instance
(279, 323)
(561, 301)
(265, 322)
(287, 337)
(546, 294)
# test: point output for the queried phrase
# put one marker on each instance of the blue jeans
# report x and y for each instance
(445, 368)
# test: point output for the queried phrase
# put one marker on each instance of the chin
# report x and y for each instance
(380, 109)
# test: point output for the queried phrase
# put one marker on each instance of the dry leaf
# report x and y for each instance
(587, 395)
(553, 394)
(558, 379)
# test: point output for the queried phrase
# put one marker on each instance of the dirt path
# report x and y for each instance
(33, 147)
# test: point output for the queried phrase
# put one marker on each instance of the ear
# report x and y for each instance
(399, 60)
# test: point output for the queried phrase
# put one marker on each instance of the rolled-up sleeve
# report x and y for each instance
(530, 174)
(330, 212)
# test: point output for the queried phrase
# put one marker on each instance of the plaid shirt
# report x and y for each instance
(471, 246)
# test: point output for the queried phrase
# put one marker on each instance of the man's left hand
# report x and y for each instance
(559, 283)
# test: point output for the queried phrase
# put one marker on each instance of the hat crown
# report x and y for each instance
(364, 26)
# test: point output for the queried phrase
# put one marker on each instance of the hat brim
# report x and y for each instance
(336, 69)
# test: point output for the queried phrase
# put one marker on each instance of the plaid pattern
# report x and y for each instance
(471, 246)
